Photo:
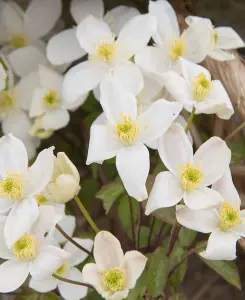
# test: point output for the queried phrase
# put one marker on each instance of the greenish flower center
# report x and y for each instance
(177, 49)
(12, 187)
(106, 51)
(41, 200)
(229, 217)
(202, 87)
(25, 248)
(127, 130)
(114, 279)
(52, 99)
(19, 41)
(191, 177)
(62, 270)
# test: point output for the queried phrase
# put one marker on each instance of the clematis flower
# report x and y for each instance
(113, 273)
(226, 222)
(222, 39)
(31, 253)
(64, 47)
(170, 46)
(196, 89)
(189, 175)
(122, 132)
(19, 184)
(108, 56)
(3, 77)
(21, 32)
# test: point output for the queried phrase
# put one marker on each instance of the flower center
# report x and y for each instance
(202, 87)
(216, 39)
(41, 200)
(25, 248)
(19, 41)
(7, 102)
(106, 51)
(62, 270)
(127, 131)
(12, 187)
(114, 279)
(38, 130)
(52, 99)
(229, 217)
(191, 177)
(177, 49)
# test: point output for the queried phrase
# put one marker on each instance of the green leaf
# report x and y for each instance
(49, 296)
(237, 150)
(187, 236)
(226, 269)
(93, 296)
(140, 287)
(124, 211)
(27, 294)
(157, 273)
(144, 234)
(165, 214)
(110, 193)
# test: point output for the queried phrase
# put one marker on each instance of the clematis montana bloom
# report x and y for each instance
(122, 132)
(189, 175)
(225, 222)
(113, 273)
(196, 89)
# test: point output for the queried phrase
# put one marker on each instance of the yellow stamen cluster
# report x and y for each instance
(62, 270)
(202, 87)
(52, 99)
(216, 39)
(12, 187)
(19, 41)
(177, 49)
(114, 279)
(106, 51)
(41, 200)
(25, 248)
(38, 130)
(7, 102)
(127, 130)
(191, 177)
(229, 217)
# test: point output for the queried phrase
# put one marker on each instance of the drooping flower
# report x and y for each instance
(108, 56)
(189, 175)
(31, 253)
(226, 222)
(222, 38)
(196, 89)
(122, 132)
(113, 273)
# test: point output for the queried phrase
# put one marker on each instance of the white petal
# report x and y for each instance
(5, 253)
(221, 246)
(20, 220)
(190, 70)
(118, 16)
(150, 92)
(92, 32)
(134, 264)
(240, 229)
(8, 282)
(5, 206)
(56, 119)
(90, 74)
(82, 9)
(216, 151)
(72, 291)
(108, 253)
(118, 295)
(202, 198)
(94, 276)
(174, 157)
(221, 55)
(12, 18)
(182, 121)
(68, 224)
(50, 79)
(166, 192)
(43, 286)
(41, 16)
(228, 38)
(135, 35)
(41, 171)
(133, 165)
(37, 107)
(199, 220)
(49, 259)
(78, 256)
(75, 105)
(64, 47)
(31, 144)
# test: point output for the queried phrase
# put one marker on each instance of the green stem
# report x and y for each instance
(86, 214)
(72, 281)
(173, 237)
(240, 127)
(190, 120)
(139, 227)
(132, 219)
(151, 231)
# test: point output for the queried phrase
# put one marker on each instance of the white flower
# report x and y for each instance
(65, 181)
(19, 184)
(3, 77)
(192, 44)
(225, 222)
(23, 30)
(122, 132)
(64, 47)
(222, 38)
(67, 223)
(113, 273)
(189, 175)
(31, 253)
(108, 56)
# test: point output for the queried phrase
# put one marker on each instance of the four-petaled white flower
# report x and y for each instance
(225, 222)
(189, 175)
(122, 132)
(221, 39)
(3, 77)
(113, 273)
(197, 89)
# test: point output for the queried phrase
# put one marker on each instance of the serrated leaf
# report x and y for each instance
(140, 287)
(157, 273)
(124, 211)
(187, 236)
(226, 269)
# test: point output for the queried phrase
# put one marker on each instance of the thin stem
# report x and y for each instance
(151, 231)
(71, 240)
(240, 127)
(190, 120)
(86, 214)
(173, 237)
(132, 219)
(72, 281)
(139, 227)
